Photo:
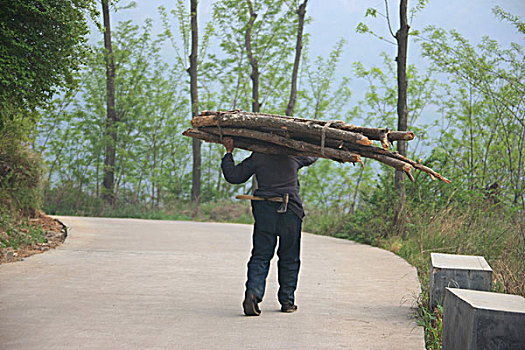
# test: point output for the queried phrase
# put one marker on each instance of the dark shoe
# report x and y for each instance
(289, 308)
(250, 305)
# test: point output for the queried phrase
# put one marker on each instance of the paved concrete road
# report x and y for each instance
(137, 284)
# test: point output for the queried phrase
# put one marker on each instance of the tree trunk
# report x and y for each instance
(356, 190)
(519, 189)
(97, 175)
(253, 60)
(255, 72)
(301, 12)
(402, 110)
(196, 144)
(111, 120)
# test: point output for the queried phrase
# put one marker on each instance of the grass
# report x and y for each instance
(79, 204)
(476, 228)
(16, 232)
(20, 193)
(432, 323)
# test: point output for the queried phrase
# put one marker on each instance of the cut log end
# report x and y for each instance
(409, 136)
(357, 159)
(384, 140)
(410, 176)
(364, 142)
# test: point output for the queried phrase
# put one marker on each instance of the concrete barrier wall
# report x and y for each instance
(457, 271)
(477, 320)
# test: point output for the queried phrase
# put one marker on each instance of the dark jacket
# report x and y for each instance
(275, 174)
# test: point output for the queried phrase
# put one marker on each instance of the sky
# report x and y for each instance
(335, 19)
(332, 20)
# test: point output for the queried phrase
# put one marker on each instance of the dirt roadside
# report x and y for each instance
(55, 233)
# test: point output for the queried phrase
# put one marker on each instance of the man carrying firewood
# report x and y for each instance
(278, 212)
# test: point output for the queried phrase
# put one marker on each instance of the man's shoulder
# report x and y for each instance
(305, 161)
(258, 155)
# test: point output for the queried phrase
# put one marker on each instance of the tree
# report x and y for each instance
(111, 121)
(329, 187)
(42, 44)
(257, 32)
(301, 13)
(254, 62)
(379, 107)
(322, 97)
(190, 57)
(256, 38)
(401, 37)
(484, 140)
(402, 111)
(151, 163)
(196, 144)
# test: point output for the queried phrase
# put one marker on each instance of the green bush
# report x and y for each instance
(68, 200)
(20, 178)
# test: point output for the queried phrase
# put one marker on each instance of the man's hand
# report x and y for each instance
(228, 143)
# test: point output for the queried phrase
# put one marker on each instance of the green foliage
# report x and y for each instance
(180, 39)
(505, 15)
(273, 34)
(31, 70)
(16, 232)
(372, 12)
(152, 160)
(444, 219)
(432, 322)
(483, 129)
(420, 5)
(41, 45)
(321, 98)
(362, 28)
(68, 200)
(20, 176)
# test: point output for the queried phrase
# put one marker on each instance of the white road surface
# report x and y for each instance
(143, 284)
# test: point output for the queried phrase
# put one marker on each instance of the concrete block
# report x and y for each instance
(475, 320)
(457, 271)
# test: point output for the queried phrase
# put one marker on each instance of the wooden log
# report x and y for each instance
(249, 145)
(274, 144)
(327, 139)
(208, 118)
(300, 146)
(393, 162)
(382, 154)
(271, 148)
(363, 150)
(328, 152)
(378, 133)
(259, 120)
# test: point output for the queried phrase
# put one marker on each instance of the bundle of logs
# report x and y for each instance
(275, 134)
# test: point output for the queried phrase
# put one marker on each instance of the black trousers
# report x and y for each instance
(270, 227)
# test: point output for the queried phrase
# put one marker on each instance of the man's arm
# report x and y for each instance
(235, 174)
